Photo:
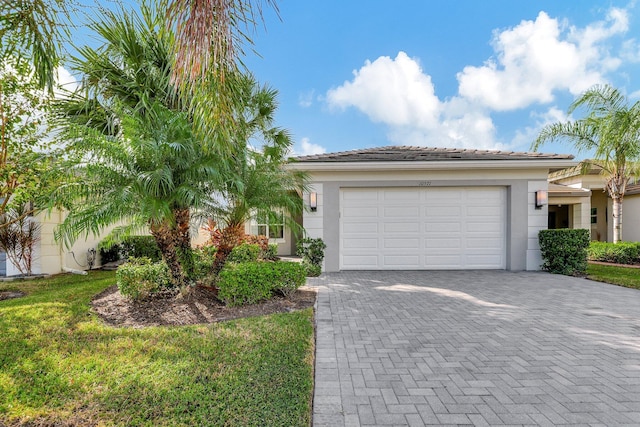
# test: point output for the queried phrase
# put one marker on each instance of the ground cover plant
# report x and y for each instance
(61, 365)
(628, 277)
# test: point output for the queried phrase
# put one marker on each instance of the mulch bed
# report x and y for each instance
(615, 265)
(198, 305)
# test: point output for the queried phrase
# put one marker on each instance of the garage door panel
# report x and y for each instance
(401, 212)
(359, 243)
(423, 228)
(442, 243)
(401, 261)
(360, 227)
(401, 243)
(401, 227)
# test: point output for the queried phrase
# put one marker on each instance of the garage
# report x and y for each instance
(400, 228)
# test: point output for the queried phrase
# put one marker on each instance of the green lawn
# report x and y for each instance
(58, 362)
(623, 276)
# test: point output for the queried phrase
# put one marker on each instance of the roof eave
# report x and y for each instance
(551, 164)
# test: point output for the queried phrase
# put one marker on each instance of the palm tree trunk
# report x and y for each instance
(166, 240)
(232, 236)
(617, 219)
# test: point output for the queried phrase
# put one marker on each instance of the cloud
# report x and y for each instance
(391, 91)
(536, 58)
(306, 148)
(66, 81)
(532, 62)
(306, 99)
(526, 136)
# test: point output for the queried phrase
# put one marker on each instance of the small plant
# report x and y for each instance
(245, 252)
(203, 259)
(312, 253)
(311, 269)
(140, 247)
(109, 254)
(271, 253)
(564, 251)
(140, 277)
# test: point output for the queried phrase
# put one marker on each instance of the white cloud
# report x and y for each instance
(305, 99)
(391, 91)
(536, 58)
(526, 136)
(306, 148)
(66, 81)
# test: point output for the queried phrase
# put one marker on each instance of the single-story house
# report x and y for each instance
(396, 208)
(579, 200)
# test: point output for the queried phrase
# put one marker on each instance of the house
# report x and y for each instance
(397, 208)
(580, 200)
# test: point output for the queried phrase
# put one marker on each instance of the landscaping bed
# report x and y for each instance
(198, 305)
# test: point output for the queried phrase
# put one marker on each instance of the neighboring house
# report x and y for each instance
(578, 200)
(52, 257)
(397, 208)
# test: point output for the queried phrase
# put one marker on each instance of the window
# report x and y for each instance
(594, 215)
(271, 225)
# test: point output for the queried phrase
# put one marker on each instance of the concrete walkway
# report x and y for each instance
(475, 348)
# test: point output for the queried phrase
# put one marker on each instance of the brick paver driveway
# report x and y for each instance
(475, 348)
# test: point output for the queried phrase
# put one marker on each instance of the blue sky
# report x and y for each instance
(462, 73)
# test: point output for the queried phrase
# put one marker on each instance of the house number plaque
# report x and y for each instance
(424, 183)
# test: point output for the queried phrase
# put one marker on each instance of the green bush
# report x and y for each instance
(245, 283)
(311, 270)
(564, 251)
(311, 251)
(203, 259)
(251, 282)
(140, 277)
(110, 254)
(140, 247)
(271, 253)
(246, 252)
(618, 253)
(289, 277)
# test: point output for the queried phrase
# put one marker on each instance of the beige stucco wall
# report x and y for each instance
(631, 218)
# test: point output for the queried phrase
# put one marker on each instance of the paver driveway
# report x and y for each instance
(475, 348)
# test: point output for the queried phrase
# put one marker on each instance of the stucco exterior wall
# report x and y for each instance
(631, 218)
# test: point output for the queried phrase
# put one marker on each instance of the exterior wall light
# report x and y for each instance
(313, 201)
(542, 198)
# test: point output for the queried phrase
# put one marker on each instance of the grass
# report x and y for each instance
(60, 364)
(622, 276)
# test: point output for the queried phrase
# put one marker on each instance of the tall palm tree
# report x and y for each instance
(131, 143)
(611, 130)
(253, 180)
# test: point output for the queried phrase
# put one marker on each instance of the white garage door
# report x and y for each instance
(423, 228)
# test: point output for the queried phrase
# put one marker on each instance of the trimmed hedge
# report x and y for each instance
(252, 282)
(618, 253)
(245, 252)
(140, 277)
(564, 251)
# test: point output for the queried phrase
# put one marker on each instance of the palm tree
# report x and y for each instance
(135, 157)
(611, 130)
(253, 181)
(34, 27)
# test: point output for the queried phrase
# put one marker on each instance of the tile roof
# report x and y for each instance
(426, 154)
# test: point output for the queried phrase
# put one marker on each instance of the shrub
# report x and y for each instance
(140, 247)
(311, 270)
(289, 276)
(311, 251)
(245, 252)
(564, 251)
(245, 283)
(109, 254)
(618, 253)
(251, 282)
(271, 253)
(203, 259)
(140, 277)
